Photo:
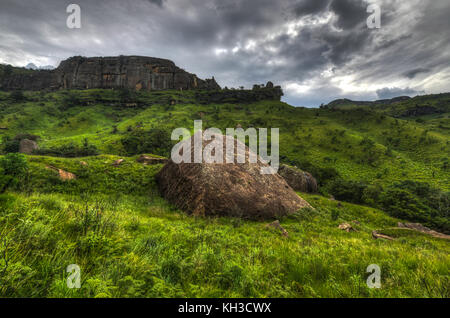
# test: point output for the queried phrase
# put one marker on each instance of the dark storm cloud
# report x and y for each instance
(317, 49)
(350, 13)
(387, 93)
(416, 71)
(310, 7)
(157, 2)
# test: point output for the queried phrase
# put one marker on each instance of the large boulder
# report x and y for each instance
(299, 180)
(27, 146)
(227, 189)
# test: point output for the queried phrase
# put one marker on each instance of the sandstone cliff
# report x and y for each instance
(133, 72)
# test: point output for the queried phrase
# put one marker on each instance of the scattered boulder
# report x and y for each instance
(413, 226)
(423, 229)
(118, 162)
(27, 146)
(377, 235)
(276, 225)
(84, 163)
(346, 227)
(147, 160)
(63, 175)
(299, 180)
(227, 189)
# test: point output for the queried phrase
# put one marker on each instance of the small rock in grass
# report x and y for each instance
(63, 175)
(118, 162)
(276, 225)
(346, 227)
(147, 160)
(377, 235)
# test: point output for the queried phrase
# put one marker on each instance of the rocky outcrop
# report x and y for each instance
(423, 229)
(132, 72)
(299, 180)
(227, 189)
(421, 111)
(28, 146)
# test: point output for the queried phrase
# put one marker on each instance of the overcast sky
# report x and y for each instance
(317, 50)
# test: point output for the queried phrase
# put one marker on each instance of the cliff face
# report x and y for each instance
(133, 72)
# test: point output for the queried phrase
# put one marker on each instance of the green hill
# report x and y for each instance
(128, 241)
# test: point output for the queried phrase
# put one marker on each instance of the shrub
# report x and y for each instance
(418, 202)
(155, 141)
(8, 70)
(13, 144)
(70, 150)
(13, 169)
(350, 191)
(127, 96)
(323, 175)
(71, 100)
(335, 214)
(17, 96)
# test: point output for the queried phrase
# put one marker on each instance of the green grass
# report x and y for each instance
(134, 244)
(326, 138)
(129, 242)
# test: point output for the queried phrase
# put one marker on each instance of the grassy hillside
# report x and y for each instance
(358, 143)
(129, 242)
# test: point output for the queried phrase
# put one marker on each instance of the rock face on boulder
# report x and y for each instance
(227, 189)
(27, 146)
(299, 180)
(132, 72)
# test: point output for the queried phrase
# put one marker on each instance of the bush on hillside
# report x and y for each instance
(349, 191)
(17, 96)
(418, 202)
(408, 200)
(70, 150)
(11, 145)
(323, 175)
(8, 70)
(155, 141)
(127, 96)
(13, 169)
(70, 100)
